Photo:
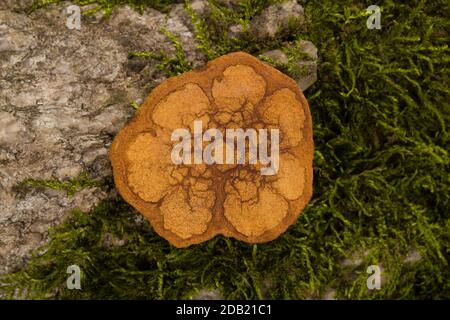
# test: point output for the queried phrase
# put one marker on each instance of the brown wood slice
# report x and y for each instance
(191, 203)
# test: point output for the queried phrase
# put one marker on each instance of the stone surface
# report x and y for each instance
(192, 202)
(307, 65)
(413, 256)
(329, 294)
(201, 7)
(235, 30)
(276, 55)
(15, 5)
(229, 3)
(276, 17)
(63, 95)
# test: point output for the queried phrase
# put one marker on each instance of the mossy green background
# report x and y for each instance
(381, 120)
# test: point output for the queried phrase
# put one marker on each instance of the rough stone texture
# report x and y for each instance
(208, 294)
(63, 95)
(229, 3)
(192, 202)
(413, 256)
(276, 55)
(329, 294)
(235, 30)
(276, 17)
(201, 7)
(308, 65)
(354, 259)
(15, 5)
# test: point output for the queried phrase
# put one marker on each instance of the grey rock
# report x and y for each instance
(180, 24)
(12, 130)
(201, 7)
(15, 5)
(276, 17)
(276, 55)
(208, 294)
(309, 49)
(307, 64)
(354, 259)
(229, 3)
(413, 256)
(111, 240)
(329, 294)
(235, 30)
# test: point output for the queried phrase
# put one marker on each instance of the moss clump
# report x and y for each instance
(71, 186)
(381, 119)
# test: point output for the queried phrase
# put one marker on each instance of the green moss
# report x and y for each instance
(381, 119)
(134, 105)
(212, 31)
(202, 34)
(292, 67)
(71, 186)
(171, 66)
